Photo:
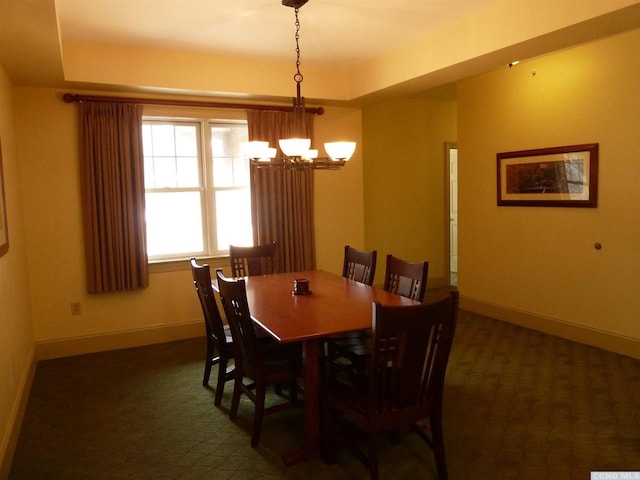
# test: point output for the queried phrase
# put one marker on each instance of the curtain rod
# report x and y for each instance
(71, 97)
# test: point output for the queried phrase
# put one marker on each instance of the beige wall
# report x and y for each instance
(405, 209)
(538, 266)
(16, 339)
(48, 138)
(339, 197)
(47, 133)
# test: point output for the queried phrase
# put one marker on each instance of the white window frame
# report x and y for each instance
(204, 121)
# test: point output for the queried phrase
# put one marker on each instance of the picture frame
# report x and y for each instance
(549, 177)
(4, 232)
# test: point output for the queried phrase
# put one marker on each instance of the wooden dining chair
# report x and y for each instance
(256, 260)
(406, 278)
(219, 339)
(400, 277)
(359, 265)
(264, 363)
(403, 385)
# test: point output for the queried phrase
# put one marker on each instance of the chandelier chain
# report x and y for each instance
(298, 76)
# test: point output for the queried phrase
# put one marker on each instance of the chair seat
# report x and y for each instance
(350, 352)
(277, 357)
(358, 344)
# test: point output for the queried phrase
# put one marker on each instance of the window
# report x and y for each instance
(197, 188)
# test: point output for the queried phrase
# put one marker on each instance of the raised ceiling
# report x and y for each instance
(359, 37)
(337, 32)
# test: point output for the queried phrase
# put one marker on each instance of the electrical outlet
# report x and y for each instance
(75, 308)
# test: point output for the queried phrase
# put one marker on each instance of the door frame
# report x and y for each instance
(448, 146)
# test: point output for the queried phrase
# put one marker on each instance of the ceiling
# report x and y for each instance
(339, 33)
(332, 31)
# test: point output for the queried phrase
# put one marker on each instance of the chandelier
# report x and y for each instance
(297, 149)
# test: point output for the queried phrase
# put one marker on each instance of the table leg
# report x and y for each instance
(311, 382)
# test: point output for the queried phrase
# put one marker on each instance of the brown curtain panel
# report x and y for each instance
(282, 199)
(113, 201)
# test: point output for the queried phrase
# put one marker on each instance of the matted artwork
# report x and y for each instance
(549, 177)
(4, 234)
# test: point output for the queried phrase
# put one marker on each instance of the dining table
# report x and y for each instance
(332, 305)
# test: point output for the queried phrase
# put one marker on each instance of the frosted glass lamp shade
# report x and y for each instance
(340, 150)
(269, 153)
(256, 149)
(311, 154)
(294, 147)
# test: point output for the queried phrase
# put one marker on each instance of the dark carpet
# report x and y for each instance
(519, 404)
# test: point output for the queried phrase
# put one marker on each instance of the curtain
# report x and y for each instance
(282, 198)
(113, 201)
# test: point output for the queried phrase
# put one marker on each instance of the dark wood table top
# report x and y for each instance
(335, 305)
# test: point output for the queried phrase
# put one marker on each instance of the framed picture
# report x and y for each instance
(4, 234)
(549, 177)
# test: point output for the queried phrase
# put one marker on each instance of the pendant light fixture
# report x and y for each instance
(297, 149)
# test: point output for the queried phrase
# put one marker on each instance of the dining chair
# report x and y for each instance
(401, 277)
(264, 363)
(406, 278)
(219, 339)
(256, 260)
(403, 385)
(359, 265)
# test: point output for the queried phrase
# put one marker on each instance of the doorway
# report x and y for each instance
(451, 150)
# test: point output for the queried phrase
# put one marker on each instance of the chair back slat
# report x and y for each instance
(202, 281)
(233, 295)
(359, 265)
(411, 349)
(406, 278)
(256, 260)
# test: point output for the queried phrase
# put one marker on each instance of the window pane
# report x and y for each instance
(164, 172)
(171, 155)
(188, 172)
(239, 135)
(147, 144)
(162, 139)
(233, 218)
(186, 141)
(222, 172)
(230, 168)
(220, 142)
(241, 172)
(174, 223)
(149, 180)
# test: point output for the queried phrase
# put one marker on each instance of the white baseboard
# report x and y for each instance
(117, 340)
(10, 436)
(571, 331)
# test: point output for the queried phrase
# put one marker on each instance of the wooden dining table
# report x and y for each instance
(334, 305)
